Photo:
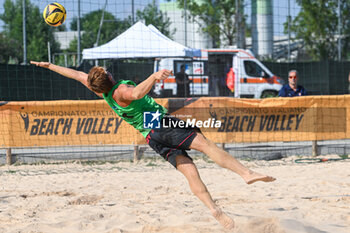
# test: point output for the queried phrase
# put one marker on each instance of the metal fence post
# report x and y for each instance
(8, 156)
(314, 148)
(136, 153)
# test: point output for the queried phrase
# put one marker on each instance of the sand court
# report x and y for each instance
(151, 196)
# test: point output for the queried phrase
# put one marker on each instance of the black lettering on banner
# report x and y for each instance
(67, 126)
(42, 126)
(59, 121)
(88, 125)
(93, 131)
(282, 123)
(251, 123)
(50, 127)
(270, 123)
(108, 125)
(47, 126)
(235, 124)
(101, 125)
(276, 122)
(290, 121)
(223, 124)
(242, 122)
(229, 122)
(117, 124)
(298, 121)
(35, 127)
(263, 122)
(80, 125)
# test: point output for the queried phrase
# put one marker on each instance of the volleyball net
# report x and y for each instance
(44, 116)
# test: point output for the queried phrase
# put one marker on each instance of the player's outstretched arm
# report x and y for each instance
(144, 87)
(67, 72)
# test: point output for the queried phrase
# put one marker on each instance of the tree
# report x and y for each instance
(90, 24)
(317, 25)
(215, 17)
(152, 15)
(8, 49)
(113, 27)
(38, 33)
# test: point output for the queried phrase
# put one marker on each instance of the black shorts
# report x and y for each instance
(171, 142)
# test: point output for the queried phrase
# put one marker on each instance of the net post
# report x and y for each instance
(136, 153)
(314, 148)
(8, 156)
(222, 146)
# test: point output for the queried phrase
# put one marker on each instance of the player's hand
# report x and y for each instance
(163, 74)
(41, 64)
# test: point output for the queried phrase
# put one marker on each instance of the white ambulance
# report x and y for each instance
(208, 75)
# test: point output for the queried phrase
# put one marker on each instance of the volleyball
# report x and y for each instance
(54, 14)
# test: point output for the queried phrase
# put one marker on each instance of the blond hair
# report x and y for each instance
(99, 81)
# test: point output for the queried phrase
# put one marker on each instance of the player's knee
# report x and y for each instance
(182, 160)
(199, 143)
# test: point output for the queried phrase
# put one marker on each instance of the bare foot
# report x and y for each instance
(223, 219)
(253, 177)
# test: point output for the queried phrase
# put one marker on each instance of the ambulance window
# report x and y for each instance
(253, 69)
(187, 64)
(192, 67)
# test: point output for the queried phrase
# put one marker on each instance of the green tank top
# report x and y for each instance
(133, 113)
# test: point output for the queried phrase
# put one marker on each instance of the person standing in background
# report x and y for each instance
(183, 83)
(292, 88)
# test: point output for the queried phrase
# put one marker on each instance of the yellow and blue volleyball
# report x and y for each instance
(54, 14)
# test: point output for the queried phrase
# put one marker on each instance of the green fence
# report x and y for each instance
(318, 78)
(26, 83)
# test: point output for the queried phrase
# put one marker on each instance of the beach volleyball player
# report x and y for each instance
(129, 101)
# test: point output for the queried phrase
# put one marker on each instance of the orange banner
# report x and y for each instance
(273, 119)
(76, 123)
(64, 123)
